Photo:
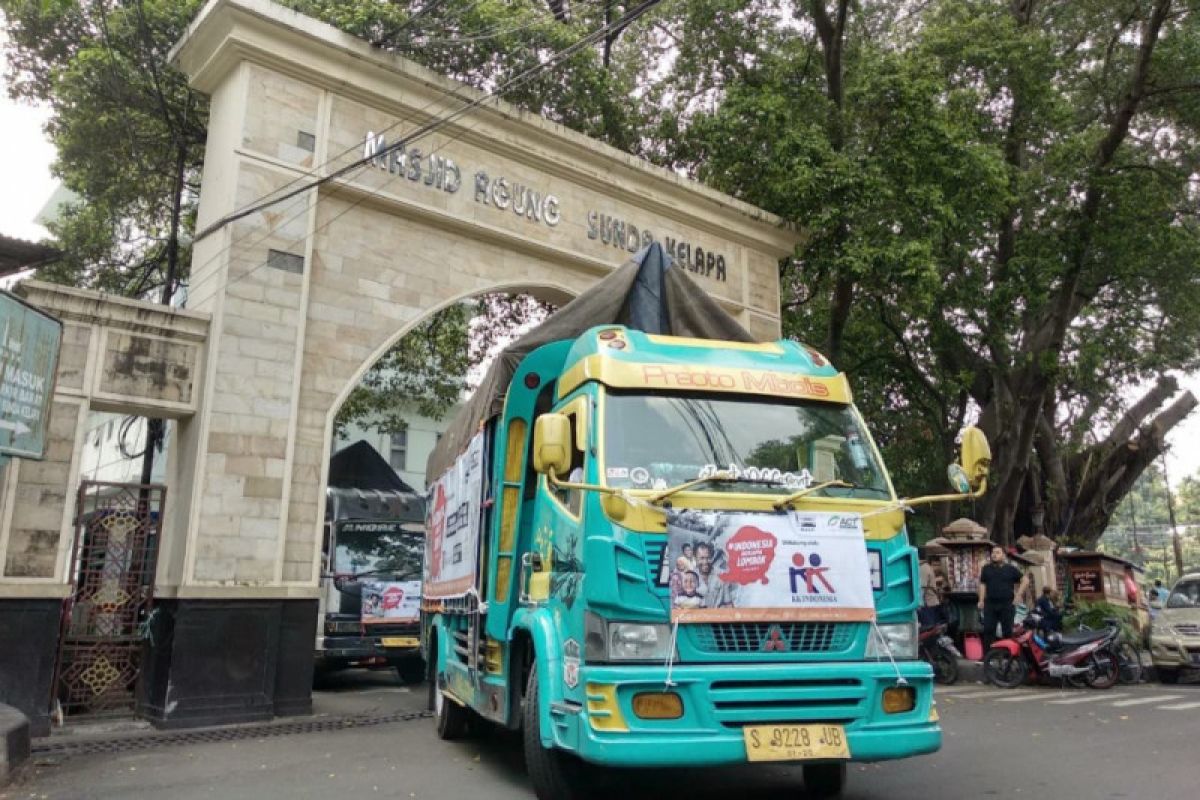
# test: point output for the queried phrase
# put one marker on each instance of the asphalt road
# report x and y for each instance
(1131, 742)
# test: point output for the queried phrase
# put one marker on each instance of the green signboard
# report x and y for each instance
(29, 342)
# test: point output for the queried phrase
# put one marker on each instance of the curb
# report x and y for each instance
(14, 727)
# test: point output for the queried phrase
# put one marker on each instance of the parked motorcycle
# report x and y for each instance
(1086, 657)
(939, 650)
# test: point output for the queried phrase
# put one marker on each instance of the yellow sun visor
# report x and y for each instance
(703, 378)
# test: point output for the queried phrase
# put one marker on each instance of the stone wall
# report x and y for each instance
(306, 294)
(117, 355)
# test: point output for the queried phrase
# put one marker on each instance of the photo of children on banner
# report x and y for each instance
(766, 567)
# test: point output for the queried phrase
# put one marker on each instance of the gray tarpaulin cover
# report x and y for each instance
(648, 293)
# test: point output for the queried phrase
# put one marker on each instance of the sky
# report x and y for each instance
(25, 157)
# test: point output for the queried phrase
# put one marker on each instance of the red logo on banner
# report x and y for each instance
(750, 551)
(392, 597)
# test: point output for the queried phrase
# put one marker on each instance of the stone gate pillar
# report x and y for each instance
(306, 294)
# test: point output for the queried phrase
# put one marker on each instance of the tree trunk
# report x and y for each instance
(1108, 472)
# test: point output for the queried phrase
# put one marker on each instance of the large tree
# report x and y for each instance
(1001, 203)
(130, 136)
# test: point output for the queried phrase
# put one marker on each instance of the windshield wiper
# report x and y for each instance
(719, 477)
(805, 492)
(834, 484)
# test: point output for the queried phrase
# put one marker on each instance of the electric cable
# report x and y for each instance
(314, 171)
(437, 123)
(421, 131)
(517, 81)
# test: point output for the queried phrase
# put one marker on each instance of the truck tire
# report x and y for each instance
(452, 719)
(555, 775)
(411, 671)
(825, 781)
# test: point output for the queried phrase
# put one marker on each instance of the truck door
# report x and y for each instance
(558, 532)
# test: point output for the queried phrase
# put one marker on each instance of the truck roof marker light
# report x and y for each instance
(617, 344)
(606, 335)
(532, 380)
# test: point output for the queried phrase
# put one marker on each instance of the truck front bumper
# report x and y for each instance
(352, 651)
(719, 700)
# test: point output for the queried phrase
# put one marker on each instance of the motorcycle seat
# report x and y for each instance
(1082, 637)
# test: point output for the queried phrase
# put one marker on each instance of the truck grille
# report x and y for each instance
(1188, 630)
(753, 637)
(749, 702)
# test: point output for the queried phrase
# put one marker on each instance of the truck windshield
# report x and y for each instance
(378, 551)
(770, 445)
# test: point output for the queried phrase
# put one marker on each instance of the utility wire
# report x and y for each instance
(423, 130)
(314, 171)
(624, 21)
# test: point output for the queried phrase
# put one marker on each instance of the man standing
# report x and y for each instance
(716, 593)
(1160, 592)
(997, 580)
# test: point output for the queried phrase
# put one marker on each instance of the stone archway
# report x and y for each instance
(305, 294)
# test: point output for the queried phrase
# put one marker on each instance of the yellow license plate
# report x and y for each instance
(400, 641)
(795, 742)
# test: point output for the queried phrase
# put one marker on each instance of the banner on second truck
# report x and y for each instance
(452, 547)
(391, 601)
(731, 566)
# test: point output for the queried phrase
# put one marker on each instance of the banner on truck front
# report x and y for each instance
(452, 546)
(724, 566)
(391, 601)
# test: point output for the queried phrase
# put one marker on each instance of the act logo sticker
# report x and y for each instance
(571, 663)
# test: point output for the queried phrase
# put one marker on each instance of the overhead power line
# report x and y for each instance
(439, 122)
(361, 164)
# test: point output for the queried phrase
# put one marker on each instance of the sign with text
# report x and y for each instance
(29, 343)
(391, 601)
(452, 540)
(744, 567)
(1086, 581)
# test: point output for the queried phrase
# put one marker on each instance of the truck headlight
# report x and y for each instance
(899, 638)
(626, 641)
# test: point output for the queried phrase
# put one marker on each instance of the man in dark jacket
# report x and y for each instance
(1049, 611)
(997, 581)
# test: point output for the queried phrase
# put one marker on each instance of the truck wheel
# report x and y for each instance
(825, 781)
(452, 719)
(555, 775)
(411, 671)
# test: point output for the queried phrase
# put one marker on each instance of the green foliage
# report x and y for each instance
(1094, 614)
(987, 238)
(129, 133)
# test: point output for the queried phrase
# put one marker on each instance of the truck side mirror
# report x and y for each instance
(976, 456)
(552, 444)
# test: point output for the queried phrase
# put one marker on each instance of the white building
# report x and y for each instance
(101, 458)
(408, 451)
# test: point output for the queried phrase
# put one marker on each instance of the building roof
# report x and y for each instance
(18, 254)
(1082, 554)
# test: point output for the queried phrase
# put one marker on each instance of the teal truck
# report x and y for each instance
(647, 549)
